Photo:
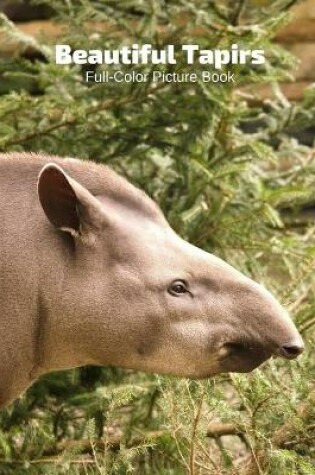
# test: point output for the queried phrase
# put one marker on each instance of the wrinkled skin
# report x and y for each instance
(93, 274)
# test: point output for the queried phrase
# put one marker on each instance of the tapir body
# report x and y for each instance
(91, 273)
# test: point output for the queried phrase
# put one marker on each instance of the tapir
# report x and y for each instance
(91, 273)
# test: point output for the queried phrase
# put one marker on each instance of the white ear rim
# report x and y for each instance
(86, 237)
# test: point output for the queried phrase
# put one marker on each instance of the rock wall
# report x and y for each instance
(299, 38)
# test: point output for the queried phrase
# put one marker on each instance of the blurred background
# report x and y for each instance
(233, 168)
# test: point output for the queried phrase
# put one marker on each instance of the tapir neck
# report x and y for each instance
(72, 335)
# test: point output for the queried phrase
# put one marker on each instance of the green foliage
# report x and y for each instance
(231, 179)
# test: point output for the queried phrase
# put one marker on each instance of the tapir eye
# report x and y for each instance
(177, 288)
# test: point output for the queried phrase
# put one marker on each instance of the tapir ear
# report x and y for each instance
(66, 203)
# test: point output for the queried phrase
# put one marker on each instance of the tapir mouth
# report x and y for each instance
(243, 357)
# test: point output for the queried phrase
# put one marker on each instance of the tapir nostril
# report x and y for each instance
(291, 351)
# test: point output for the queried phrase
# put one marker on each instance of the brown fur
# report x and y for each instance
(85, 269)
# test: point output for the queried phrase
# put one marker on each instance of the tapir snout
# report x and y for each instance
(92, 273)
(268, 331)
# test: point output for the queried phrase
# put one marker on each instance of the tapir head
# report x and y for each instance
(139, 296)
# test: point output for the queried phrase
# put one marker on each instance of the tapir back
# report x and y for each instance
(19, 277)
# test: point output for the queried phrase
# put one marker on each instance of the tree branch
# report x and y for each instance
(108, 104)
